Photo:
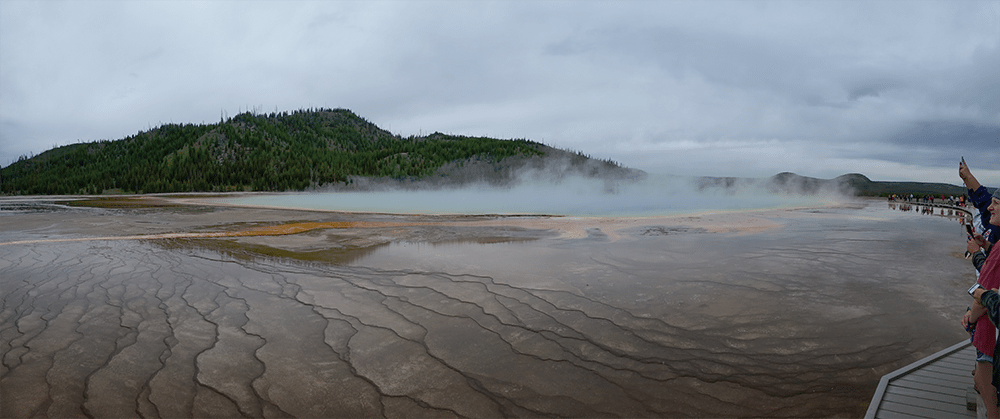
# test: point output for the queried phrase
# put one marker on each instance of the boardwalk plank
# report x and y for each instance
(940, 379)
(953, 398)
(918, 384)
(910, 411)
(929, 405)
(940, 368)
(887, 414)
(934, 370)
(957, 364)
(954, 366)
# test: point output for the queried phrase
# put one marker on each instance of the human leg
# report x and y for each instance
(984, 383)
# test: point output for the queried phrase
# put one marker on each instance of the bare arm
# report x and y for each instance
(970, 181)
(978, 310)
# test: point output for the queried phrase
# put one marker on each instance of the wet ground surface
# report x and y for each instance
(654, 318)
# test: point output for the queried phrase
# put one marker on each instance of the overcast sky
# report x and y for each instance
(895, 90)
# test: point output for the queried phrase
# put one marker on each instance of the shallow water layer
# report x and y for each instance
(573, 199)
(661, 321)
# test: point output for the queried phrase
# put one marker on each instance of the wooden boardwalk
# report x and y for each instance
(934, 387)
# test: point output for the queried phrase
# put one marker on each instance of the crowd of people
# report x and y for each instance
(983, 315)
(929, 199)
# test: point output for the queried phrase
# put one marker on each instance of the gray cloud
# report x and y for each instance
(891, 89)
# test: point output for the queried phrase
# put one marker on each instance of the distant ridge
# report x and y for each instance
(849, 184)
(336, 149)
(858, 184)
(305, 149)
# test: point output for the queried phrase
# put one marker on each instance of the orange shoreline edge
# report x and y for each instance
(275, 230)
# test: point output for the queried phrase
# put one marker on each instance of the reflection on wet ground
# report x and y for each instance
(939, 210)
(664, 320)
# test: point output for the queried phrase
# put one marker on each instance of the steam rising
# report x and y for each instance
(540, 193)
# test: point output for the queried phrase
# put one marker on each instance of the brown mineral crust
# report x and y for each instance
(198, 310)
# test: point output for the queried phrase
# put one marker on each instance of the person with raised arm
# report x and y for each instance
(980, 198)
(978, 320)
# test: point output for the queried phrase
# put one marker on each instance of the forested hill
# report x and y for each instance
(276, 152)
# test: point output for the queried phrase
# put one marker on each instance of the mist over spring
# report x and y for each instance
(569, 196)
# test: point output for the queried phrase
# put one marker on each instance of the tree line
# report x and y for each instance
(248, 152)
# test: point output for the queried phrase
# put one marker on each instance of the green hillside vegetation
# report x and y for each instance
(251, 152)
